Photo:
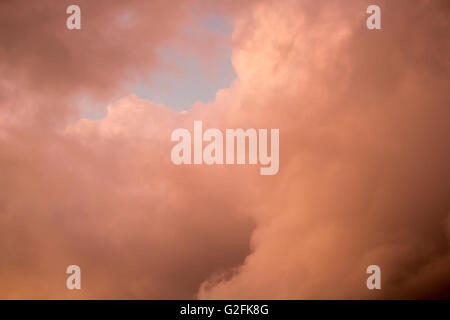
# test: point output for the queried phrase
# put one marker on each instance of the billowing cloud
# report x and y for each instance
(364, 177)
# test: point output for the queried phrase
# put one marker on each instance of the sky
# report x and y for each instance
(183, 79)
(86, 118)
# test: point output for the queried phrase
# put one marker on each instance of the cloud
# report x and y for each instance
(363, 177)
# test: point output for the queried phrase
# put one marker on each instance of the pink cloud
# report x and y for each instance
(363, 178)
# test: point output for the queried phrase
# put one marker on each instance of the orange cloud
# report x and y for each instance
(363, 178)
